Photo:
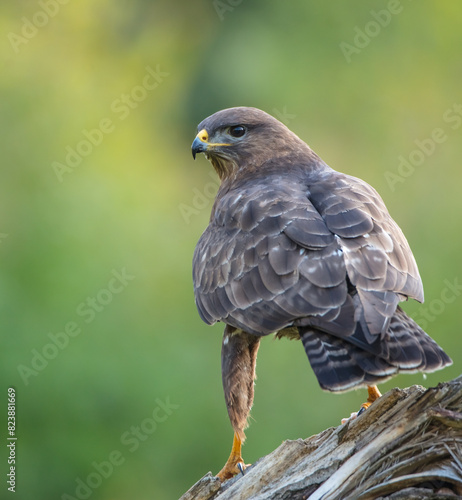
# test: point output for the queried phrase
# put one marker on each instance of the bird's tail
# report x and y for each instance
(340, 364)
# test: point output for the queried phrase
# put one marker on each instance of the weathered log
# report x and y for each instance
(407, 445)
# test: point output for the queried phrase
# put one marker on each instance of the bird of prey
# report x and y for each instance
(297, 249)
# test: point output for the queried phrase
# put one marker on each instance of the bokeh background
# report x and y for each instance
(135, 377)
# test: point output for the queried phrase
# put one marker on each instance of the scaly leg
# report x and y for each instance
(373, 393)
(238, 360)
(235, 463)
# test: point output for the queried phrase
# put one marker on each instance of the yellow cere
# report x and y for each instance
(204, 137)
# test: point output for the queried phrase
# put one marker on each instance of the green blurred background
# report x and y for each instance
(359, 81)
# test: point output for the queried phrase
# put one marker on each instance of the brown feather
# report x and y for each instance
(292, 243)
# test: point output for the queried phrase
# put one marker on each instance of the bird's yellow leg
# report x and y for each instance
(373, 393)
(235, 463)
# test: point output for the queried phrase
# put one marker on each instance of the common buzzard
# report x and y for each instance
(297, 249)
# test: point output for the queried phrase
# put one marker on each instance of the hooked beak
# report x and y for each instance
(201, 143)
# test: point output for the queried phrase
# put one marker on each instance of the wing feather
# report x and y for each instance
(278, 253)
(280, 263)
(378, 259)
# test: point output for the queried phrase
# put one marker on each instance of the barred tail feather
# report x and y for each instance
(411, 349)
(341, 365)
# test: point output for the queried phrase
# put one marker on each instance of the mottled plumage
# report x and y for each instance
(296, 248)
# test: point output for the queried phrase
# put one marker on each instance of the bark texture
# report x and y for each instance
(407, 445)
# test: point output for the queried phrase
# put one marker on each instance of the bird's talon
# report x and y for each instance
(230, 470)
(362, 410)
(242, 467)
(373, 395)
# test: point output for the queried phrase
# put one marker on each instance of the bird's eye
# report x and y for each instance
(237, 131)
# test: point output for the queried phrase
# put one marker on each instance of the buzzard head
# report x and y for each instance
(243, 138)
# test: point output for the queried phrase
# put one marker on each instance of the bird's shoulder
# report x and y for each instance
(266, 205)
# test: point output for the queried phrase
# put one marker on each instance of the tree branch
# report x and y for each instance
(407, 445)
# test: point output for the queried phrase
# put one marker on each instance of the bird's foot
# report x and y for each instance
(373, 394)
(235, 463)
(232, 468)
